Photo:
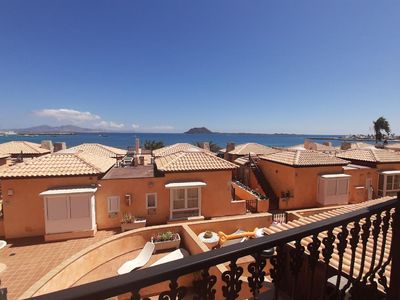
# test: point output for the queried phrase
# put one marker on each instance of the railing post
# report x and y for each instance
(3, 293)
(394, 288)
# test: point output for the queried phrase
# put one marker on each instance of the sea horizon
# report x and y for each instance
(124, 140)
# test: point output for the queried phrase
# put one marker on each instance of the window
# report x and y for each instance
(389, 184)
(79, 206)
(185, 202)
(342, 186)
(113, 204)
(151, 200)
(331, 188)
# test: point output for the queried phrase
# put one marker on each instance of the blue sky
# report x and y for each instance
(165, 66)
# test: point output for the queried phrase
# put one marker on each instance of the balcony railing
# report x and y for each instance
(300, 267)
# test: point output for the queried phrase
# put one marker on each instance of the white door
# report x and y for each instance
(370, 189)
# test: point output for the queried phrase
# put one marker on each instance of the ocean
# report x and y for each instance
(123, 140)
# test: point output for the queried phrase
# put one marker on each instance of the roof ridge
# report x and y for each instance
(296, 157)
(78, 155)
(177, 156)
(374, 154)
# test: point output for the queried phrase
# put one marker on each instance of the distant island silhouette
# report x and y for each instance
(199, 130)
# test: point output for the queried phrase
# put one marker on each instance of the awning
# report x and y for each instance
(71, 190)
(184, 184)
(335, 176)
(394, 172)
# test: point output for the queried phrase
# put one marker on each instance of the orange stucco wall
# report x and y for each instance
(302, 183)
(216, 197)
(358, 190)
(24, 210)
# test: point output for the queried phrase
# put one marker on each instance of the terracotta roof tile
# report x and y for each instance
(16, 147)
(192, 161)
(395, 146)
(304, 158)
(60, 164)
(97, 149)
(370, 155)
(244, 149)
(334, 262)
(2, 155)
(175, 148)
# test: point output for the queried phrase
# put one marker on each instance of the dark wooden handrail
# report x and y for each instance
(136, 280)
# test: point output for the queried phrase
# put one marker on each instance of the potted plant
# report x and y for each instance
(130, 222)
(166, 240)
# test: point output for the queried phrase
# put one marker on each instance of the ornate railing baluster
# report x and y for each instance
(356, 290)
(382, 279)
(296, 261)
(136, 296)
(341, 247)
(257, 272)
(394, 288)
(313, 249)
(375, 235)
(204, 287)
(328, 251)
(355, 238)
(348, 250)
(233, 283)
(175, 293)
(385, 228)
(276, 272)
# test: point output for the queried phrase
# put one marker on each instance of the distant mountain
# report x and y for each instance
(54, 129)
(198, 130)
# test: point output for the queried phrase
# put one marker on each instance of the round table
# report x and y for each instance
(210, 242)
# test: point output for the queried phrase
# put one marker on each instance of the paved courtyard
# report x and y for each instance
(28, 259)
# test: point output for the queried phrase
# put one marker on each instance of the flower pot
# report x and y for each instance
(164, 245)
(136, 224)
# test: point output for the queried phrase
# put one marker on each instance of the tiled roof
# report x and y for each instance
(16, 147)
(297, 147)
(175, 148)
(254, 148)
(334, 262)
(97, 149)
(60, 164)
(304, 158)
(395, 146)
(2, 155)
(192, 161)
(370, 155)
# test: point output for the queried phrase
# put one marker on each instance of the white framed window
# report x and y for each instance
(151, 200)
(185, 202)
(113, 204)
(389, 183)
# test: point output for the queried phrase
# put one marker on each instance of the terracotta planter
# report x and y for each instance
(164, 245)
(134, 225)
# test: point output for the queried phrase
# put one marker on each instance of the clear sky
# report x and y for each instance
(165, 66)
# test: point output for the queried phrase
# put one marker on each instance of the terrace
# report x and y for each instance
(332, 255)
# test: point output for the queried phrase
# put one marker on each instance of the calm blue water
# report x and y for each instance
(123, 140)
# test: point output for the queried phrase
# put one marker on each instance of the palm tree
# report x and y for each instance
(153, 145)
(381, 124)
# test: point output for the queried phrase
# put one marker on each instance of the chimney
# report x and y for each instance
(345, 146)
(229, 148)
(47, 144)
(58, 146)
(137, 145)
(309, 145)
(205, 146)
